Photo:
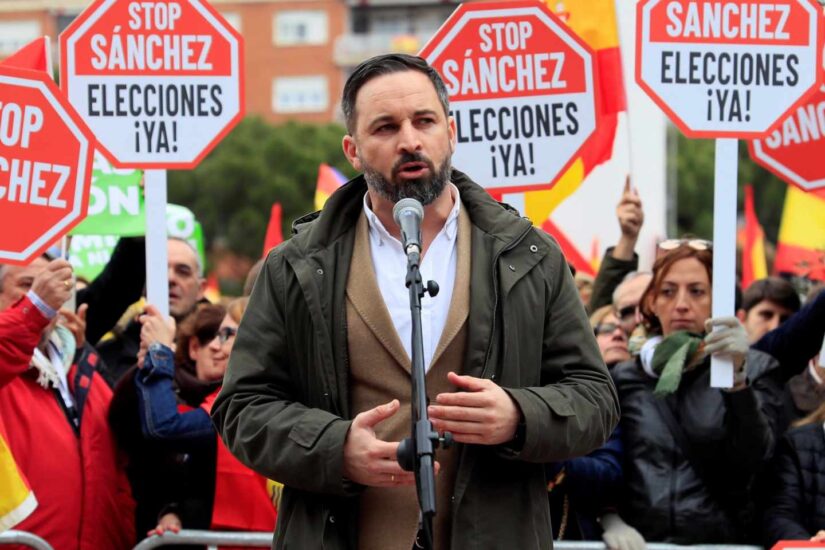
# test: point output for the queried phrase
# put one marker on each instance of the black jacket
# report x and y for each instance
(796, 488)
(118, 286)
(731, 434)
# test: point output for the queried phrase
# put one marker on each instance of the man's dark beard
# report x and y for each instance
(425, 189)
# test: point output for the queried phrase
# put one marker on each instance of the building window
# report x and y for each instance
(300, 27)
(300, 94)
(233, 18)
(16, 34)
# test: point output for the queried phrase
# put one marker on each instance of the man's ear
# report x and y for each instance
(741, 314)
(351, 151)
(201, 288)
(452, 132)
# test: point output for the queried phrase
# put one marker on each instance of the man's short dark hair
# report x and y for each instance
(773, 289)
(387, 64)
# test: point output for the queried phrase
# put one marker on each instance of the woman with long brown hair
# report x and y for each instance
(692, 450)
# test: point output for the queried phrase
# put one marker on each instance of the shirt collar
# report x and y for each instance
(378, 230)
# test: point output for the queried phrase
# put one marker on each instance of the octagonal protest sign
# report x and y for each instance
(794, 150)
(522, 91)
(160, 82)
(45, 165)
(728, 68)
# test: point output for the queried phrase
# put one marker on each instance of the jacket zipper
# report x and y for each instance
(507, 248)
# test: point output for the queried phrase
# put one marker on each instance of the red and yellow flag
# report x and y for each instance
(801, 245)
(16, 498)
(594, 21)
(754, 264)
(329, 179)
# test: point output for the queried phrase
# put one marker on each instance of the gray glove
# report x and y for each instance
(729, 339)
(618, 535)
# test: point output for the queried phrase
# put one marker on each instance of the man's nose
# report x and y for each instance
(774, 322)
(408, 138)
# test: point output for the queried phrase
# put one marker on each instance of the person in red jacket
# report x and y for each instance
(54, 408)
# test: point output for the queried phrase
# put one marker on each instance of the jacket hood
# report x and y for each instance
(340, 213)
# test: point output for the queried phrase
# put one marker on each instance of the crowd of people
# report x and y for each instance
(107, 408)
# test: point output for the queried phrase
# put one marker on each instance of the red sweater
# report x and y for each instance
(83, 495)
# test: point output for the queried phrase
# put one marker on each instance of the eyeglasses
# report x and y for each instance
(695, 244)
(606, 328)
(225, 333)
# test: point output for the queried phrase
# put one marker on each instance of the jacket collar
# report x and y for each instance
(340, 214)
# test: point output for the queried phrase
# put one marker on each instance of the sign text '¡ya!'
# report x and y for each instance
(139, 51)
(754, 20)
(27, 179)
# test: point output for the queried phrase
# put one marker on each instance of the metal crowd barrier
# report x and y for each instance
(24, 538)
(264, 540)
(209, 538)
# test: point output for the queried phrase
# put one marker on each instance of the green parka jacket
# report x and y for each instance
(284, 409)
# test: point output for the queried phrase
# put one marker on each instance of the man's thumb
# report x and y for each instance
(370, 418)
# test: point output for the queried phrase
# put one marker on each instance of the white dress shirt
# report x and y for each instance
(439, 264)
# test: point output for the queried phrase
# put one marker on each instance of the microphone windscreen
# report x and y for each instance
(407, 204)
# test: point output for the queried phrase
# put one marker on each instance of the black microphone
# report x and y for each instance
(408, 214)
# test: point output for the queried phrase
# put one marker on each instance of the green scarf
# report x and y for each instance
(675, 354)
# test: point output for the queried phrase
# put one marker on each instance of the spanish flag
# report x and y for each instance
(16, 498)
(754, 264)
(801, 247)
(329, 179)
(594, 21)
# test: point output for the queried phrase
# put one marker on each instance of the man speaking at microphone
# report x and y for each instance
(317, 394)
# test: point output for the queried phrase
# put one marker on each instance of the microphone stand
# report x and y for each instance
(417, 453)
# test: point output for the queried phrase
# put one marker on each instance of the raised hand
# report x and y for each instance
(76, 323)
(54, 285)
(156, 329)
(629, 211)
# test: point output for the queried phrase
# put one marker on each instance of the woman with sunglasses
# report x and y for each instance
(692, 450)
(160, 472)
(238, 498)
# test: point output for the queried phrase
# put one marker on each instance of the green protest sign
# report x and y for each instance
(115, 202)
(89, 254)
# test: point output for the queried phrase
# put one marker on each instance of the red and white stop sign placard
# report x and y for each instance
(522, 91)
(45, 165)
(728, 68)
(794, 150)
(160, 82)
